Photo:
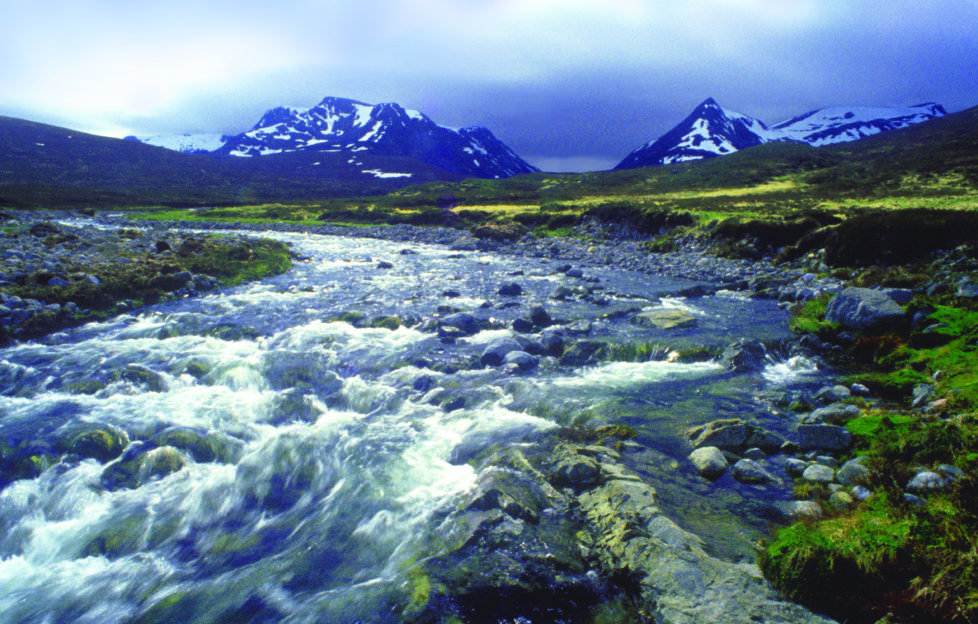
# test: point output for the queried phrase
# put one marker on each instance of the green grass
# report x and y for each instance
(918, 563)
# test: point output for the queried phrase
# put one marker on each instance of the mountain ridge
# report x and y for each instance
(711, 131)
(349, 126)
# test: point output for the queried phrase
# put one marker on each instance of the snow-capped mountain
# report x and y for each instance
(186, 143)
(839, 124)
(711, 130)
(348, 126)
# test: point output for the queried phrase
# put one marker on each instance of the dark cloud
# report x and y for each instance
(564, 83)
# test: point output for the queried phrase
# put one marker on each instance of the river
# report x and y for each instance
(256, 455)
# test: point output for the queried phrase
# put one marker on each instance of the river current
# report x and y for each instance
(282, 460)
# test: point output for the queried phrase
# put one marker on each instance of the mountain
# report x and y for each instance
(338, 125)
(840, 124)
(48, 166)
(708, 131)
(711, 130)
(186, 143)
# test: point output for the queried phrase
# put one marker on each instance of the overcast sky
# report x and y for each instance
(568, 84)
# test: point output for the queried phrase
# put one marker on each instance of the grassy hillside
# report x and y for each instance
(47, 166)
(773, 194)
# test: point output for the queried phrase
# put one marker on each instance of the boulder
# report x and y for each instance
(510, 289)
(709, 461)
(866, 310)
(664, 318)
(817, 473)
(751, 472)
(926, 482)
(733, 434)
(853, 472)
(462, 321)
(841, 501)
(832, 394)
(743, 356)
(540, 317)
(523, 360)
(496, 351)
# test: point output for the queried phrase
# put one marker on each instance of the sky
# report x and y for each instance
(568, 84)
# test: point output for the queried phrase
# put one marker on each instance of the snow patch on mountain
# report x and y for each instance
(187, 143)
(710, 131)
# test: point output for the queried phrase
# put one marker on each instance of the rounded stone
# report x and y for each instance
(817, 473)
(709, 461)
(749, 471)
(925, 482)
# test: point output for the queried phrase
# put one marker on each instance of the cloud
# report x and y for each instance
(558, 78)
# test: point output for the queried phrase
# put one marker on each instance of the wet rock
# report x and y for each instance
(495, 352)
(577, 273)
(540, 317)
(140, 375)
(664, 318)
(523, 360)
(523, 325)
(832, 394)
(734, 434)
(510, 289)
(709, 461)
(139, 464)
(823, 437)
(865, 309)
(98, 441)
(751, 472)
(832, 415)
(676, 580)
(467, 324)
(550, 342)
(744, 356)
(817, 473)
(385, 264)
(561, 292)
(513, 492)
(576, 471)
(583, 352)
(194, 442)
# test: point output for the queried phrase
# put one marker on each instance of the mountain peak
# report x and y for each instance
(387, 129)
(710, 131)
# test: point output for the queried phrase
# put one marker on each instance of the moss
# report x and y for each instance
(819, 564)
(809, 318)
(386, 322)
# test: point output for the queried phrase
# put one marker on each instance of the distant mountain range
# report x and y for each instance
(342, 126)
(711, 130)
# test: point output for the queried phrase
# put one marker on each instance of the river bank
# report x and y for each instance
(479, 322)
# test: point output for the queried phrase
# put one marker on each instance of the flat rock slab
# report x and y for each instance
(665, 318)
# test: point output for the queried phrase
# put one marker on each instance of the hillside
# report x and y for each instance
(48, 166)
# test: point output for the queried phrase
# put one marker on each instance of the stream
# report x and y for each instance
(279, 451)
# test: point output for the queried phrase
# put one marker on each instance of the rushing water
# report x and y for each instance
(285, 465)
